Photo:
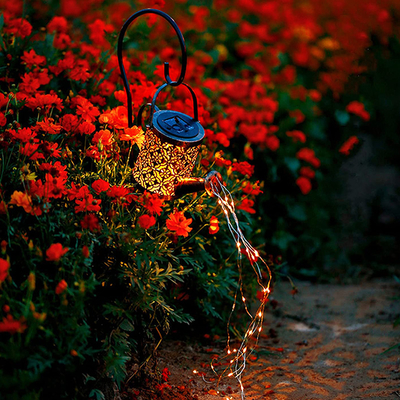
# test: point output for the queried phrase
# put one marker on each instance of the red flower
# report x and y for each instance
(20, 27)
(55, 252)
(272, 142)
(307, 172)
(297, 115)
(178, 223)
(91, 222)
(146, 221)
(24, 134)
(87, 203)
(304, 184)
(357, 108)
(165, 373)
(214, 225)
(100, 185)
(348, 145)
(44, 101)
(308, 155)
(252, 189)
(246, 205)
(31, 58)
(248, 152)
(10, 325)
(61, 286)
(244, 168)
(85, 251)
(4, 266)
(103, 137)
(297, 136)
(86, 109)
(152, 203)
(57, 24)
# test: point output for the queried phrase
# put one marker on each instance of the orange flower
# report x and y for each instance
(178, 223)
(21, 200)
(214, 225)
(4, 266)
(62, 285)
(85, 251)
(134, 134)
(106, 118)
(55, 252)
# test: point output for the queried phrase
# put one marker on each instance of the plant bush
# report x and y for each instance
(92, 271)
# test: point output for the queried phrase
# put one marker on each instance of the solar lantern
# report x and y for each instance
(172, 138)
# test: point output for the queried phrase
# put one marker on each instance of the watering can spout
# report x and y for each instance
(212, 183)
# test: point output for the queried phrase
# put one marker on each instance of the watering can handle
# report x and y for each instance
(166, 65)
(194, 98)
(139, 117)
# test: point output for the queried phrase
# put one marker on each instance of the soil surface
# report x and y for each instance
(325, 343)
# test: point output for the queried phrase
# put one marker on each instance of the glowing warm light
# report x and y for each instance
(237, 363)
(160, 165)
(195, 371)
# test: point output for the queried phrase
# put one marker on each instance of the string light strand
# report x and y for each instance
(238, 357)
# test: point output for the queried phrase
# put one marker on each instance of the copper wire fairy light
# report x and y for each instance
(164, 166)
(239, 356)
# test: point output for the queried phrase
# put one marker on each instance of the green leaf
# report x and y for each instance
(342, 117)
(297, 212)
(127, 325)
(292, 163)
(282, 239)
(97, 394)
(391, 348)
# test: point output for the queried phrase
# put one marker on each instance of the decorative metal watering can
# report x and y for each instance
(172, 139)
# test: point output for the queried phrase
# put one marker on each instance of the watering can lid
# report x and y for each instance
(177, 128)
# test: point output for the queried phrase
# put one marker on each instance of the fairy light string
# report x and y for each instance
(238, 356)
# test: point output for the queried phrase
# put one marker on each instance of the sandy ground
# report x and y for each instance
(326, 343)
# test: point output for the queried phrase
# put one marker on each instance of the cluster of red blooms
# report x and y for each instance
(55, 131)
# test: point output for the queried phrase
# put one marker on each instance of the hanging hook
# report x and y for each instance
(164, 85)
(166, 65)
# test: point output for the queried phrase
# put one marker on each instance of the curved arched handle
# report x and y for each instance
(139, 118)
(194, 98)
(166, 65)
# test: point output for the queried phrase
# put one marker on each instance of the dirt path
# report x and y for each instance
(324, 344)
